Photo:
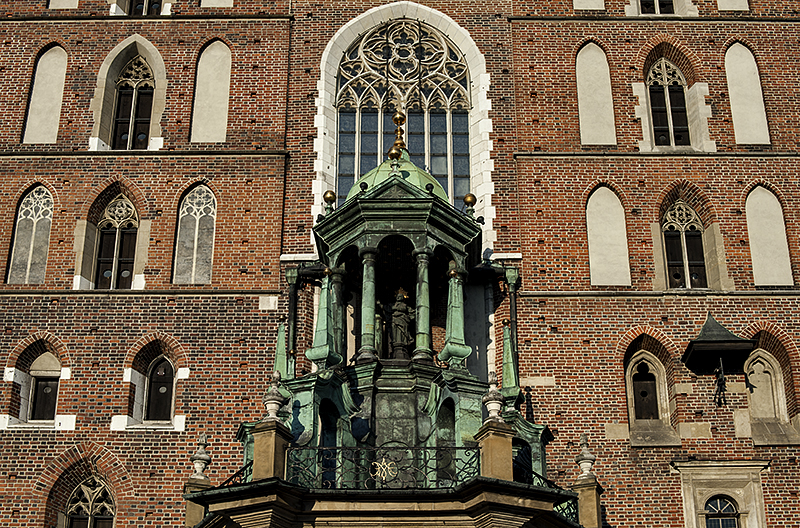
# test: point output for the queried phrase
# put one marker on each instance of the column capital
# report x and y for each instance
(422, 253)
(367, 251)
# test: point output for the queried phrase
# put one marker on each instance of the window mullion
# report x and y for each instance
(450, 180)
(687, 278)
(357, 156)
(669, 116)
(427, 129)
(30, 250)
(115, 262)
(132, 122)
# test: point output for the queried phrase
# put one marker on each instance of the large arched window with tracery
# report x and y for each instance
(31, 237)
(411, 64)
(667, 89)
(116, 245)
(134, 104)
(90, 505)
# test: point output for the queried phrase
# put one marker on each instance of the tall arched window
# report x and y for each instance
(683, 245)
(411, 64)
(194, 248)
(31, 237)
(160, 383)
(667, 88)
(91, 505)
(721, 512)
(117, 245)
(134, 104)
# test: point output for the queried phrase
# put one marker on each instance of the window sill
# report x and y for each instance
(62, 422)
(653, 433)
(773, 433)
(126, 423)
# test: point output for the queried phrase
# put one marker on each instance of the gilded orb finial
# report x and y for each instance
(395, 153)
(397, 148)
(329, 197)
(470, 200)
(399, 118)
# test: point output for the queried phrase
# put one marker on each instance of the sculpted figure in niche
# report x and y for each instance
(402, 335)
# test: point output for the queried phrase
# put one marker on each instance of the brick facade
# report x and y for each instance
(578, 334)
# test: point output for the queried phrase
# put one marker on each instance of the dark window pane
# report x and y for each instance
(461, 166)
(674, 251)
(368, 162)
(105, 258)
(680, 121)
(347, 121)
(645, 401)
(439, 166)
(648, 7)
(460, 188)
(369, 122)
(78, 522)
(154, 9)
(104, 523)
(45, 392)
(438, 123)
(347, 143)
(460, 144)
(665, 7)
(694, 253)
(369, 143)
(460, 123)
(438, 144)
(127, 251)
(138, 8)
(658, 110)
(144, 103)
(122, 120)
(347, 164)
(159, 391)
(443, 183)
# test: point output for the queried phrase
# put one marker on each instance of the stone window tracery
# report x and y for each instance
(117, 245)
(667, 88)
(194, 250)
(134, 103)
(91, 505)
(31, 237)
(413, 65)
(683, 245)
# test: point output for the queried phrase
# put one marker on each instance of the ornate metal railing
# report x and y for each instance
(391, 466)
(240, 477)
(567, 509)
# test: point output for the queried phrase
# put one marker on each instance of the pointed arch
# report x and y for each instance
(31, 240)
(105, 103)
(746, 97)
(769, 246)
(595, 101)
(194, 236)
(479, 122)
(607, 237)
(781, 346)
(211, 93)
(46, 96)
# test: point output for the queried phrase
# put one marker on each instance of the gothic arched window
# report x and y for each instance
(117, 245)
(194, 249)
(90, 506)
(413, 65)
(160, 383)
(134, 104)
(683, 245)
(667, 89)
(31, 237)
(721, 512)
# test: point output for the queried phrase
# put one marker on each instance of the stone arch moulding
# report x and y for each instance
(102, 104)
(177, 353)
(634, 333)
(480, 124)
(58, 347)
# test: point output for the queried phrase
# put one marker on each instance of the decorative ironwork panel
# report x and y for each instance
(390, 466)
(242, 476)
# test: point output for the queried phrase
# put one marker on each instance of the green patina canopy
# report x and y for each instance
(408, 171)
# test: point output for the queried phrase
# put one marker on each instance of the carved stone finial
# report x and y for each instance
(273, 399)
(585, 459)
(200, 458)
(493, 400)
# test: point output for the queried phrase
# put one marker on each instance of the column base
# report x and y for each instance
(423, 355)
(366, 355)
